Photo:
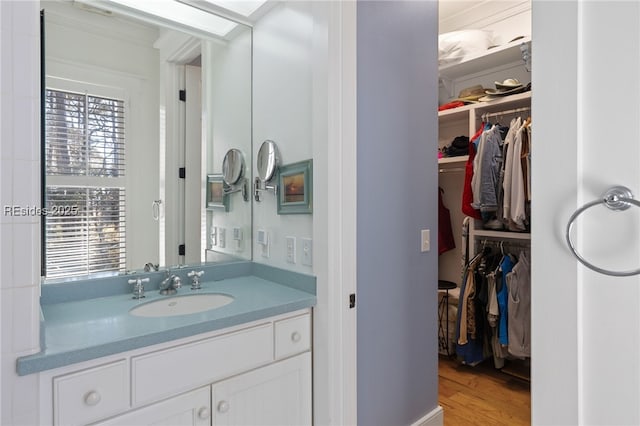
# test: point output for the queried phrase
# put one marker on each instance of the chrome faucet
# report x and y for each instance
(195, 279)
(170, 284)
(138, 287)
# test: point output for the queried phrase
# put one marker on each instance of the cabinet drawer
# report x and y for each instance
(171, 371)
(85, 396)
(292, 336)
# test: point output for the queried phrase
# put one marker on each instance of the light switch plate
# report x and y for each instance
(262, 238)
(425, 237)
(222, 237)
(307, 252)
(291, 249)
(214, 236)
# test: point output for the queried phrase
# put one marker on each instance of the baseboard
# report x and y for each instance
(433, 418)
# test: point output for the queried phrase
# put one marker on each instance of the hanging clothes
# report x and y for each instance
(445, 231)
(467, 192)
(469, 349)
(506, 265)
(519, 307)
(486, 171)
(509, 142)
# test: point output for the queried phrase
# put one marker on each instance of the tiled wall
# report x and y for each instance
(19, 186)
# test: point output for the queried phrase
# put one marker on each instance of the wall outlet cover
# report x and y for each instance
(291, 249)
(307, 251)
(222, 237)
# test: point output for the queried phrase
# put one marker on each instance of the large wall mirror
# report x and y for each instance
(139, 109)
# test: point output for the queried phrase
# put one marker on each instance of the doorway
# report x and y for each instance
(484, 76)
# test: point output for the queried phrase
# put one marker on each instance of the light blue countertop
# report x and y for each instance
(82, 330)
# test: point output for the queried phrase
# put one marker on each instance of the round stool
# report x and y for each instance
(443, 312)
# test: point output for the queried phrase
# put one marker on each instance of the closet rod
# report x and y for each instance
(504, 244)
(509, 111)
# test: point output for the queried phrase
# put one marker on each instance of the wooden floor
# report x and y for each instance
(482, 395)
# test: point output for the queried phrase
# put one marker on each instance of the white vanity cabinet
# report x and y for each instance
(257, 373)
(276, 395)
(189, 409)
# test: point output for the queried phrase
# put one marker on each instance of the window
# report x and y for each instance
(85, 194)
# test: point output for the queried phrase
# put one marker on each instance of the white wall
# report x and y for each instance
(19, 185)
(111, 52)
(227, 116)
(283, 43)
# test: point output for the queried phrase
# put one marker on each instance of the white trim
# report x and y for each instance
(335, 401)
(434, 418)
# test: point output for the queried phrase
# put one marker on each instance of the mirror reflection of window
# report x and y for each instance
(85, 159)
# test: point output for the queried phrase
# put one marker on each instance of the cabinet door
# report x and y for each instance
(278, 394)
(189, 409)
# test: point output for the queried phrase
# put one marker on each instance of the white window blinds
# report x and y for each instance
(85, 194)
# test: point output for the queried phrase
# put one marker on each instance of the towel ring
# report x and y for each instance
(617, 198)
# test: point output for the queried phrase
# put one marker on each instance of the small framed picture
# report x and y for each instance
(295, 183)
(216, 198)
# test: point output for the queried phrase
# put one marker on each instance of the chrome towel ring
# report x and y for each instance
(617, 198)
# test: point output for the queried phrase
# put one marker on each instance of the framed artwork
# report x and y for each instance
(295, 183)
(216, 198)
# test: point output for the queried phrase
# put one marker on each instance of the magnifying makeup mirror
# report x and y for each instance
(267, 164)
(233, 167)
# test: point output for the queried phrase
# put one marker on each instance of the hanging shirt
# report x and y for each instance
(487, 170)
(445, 232)
(467, 192)
(508, 169)
(518, 212)
(506, 265)
(519, 308)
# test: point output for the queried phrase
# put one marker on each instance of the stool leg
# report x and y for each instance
(446, 314)
(442, 338)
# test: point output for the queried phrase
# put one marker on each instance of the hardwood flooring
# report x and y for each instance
(482, 395)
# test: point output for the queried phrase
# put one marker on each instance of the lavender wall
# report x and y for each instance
(397, 184)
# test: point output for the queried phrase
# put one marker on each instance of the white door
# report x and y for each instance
(189, 409)
(193, 193)
(586, 110)
(278, 395)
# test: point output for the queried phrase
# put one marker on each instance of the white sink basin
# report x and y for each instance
(181, 305)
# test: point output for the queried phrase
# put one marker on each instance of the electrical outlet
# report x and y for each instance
(291, 249)
(307, 252)
(222, 237)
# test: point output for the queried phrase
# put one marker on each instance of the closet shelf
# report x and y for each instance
(499, 55)
(479, 233)
(462, 114)
(462, 159)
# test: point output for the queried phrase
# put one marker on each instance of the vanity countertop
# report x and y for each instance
(82, 330)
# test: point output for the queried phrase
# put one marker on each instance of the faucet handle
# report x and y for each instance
(138, 288)
(195, 279)
(193, 274)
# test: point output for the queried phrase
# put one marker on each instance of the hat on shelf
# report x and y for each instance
(471, 94)
(507, 87)
(508, 84)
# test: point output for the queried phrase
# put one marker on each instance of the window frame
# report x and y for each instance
(88, 181)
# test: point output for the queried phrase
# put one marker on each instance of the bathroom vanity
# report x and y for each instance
(246, 362)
